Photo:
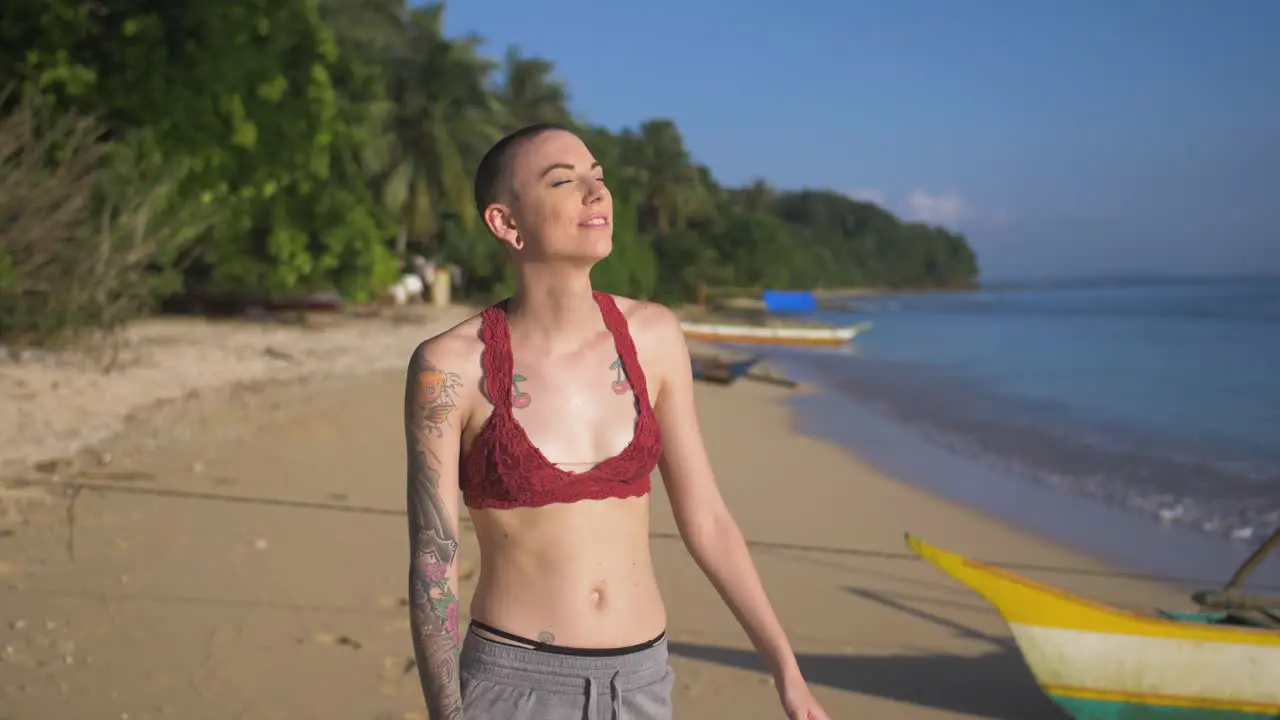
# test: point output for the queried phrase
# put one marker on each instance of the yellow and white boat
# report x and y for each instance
(773, 334)
(1102, 663)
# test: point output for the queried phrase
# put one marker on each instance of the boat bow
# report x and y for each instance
(1099, 662)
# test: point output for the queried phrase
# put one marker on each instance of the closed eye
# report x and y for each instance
(566, 181)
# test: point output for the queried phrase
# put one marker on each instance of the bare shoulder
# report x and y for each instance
(660, 343)
(454, 346)
(655, 327)
(451, 359)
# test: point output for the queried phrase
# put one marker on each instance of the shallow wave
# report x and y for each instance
(1214, 489)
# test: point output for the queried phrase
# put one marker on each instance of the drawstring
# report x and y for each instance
(615, 694)
(591, 698)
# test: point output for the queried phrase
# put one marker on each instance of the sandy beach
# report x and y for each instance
(215, 531)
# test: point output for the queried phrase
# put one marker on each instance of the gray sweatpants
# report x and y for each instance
(504, 682)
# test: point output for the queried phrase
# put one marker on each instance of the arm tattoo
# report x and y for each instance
(435, 400)
(430, 400)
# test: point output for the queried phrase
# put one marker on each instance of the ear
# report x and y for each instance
(501, 223)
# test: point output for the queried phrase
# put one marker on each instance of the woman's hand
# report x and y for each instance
(800, 703)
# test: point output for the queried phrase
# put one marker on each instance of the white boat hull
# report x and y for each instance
(761, 334)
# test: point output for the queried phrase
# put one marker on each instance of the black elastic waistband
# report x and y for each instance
(563, 649)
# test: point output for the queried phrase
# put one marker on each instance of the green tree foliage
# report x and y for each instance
(315, 143)
(91, 233)
(245, 95)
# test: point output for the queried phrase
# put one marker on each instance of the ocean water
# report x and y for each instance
(1159, 398)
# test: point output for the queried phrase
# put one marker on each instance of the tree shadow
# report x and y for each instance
(995, 684)
(1025, 567)
(895, 602)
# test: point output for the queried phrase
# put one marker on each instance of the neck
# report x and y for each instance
(554, 305)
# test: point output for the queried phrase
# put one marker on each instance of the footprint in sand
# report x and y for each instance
(13, 499)
(388, 602)
(342, 640)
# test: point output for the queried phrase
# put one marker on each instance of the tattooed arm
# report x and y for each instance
(433, 422)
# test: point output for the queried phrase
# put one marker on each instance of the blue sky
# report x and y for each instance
(1064, 137)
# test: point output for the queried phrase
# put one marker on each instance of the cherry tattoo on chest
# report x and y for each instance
(521, 400)
(620, 383)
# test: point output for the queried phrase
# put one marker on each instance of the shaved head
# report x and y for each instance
(542, 194)
(493, 175)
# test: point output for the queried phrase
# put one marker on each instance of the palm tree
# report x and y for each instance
(673, 191)
(370, 29)
(439, 117)
(529, 93)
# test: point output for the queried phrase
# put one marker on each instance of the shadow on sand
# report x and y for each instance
(995, 684)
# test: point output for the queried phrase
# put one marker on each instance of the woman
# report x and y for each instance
(546, 414)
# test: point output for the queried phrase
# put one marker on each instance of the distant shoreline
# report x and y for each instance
(1052, 283)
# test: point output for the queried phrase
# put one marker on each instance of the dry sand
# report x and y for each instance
(55, 404)
(240, 554)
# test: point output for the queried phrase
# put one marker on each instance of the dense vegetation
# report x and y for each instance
(289, 145)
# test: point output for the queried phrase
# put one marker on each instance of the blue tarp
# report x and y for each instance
(790, 301)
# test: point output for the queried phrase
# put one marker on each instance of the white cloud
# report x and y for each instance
(942, 209)
(947, 209)
(870, 195)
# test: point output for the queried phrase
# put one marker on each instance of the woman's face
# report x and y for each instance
(557, 208)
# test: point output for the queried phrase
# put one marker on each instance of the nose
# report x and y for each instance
(596, 190)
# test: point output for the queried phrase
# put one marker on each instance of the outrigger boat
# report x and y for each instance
(779, 334)
(1099, 662)
(716, 369)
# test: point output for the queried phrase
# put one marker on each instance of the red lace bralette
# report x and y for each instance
(504, 469)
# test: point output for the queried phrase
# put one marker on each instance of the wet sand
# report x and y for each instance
(240, 554)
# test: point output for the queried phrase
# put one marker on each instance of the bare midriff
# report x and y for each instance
(573, 574)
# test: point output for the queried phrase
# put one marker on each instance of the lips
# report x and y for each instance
(595, 221)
